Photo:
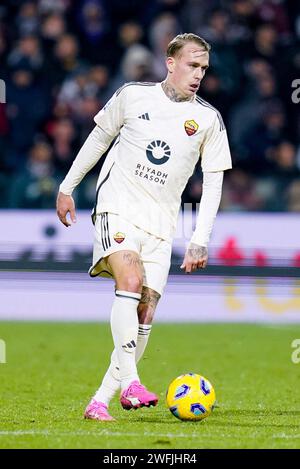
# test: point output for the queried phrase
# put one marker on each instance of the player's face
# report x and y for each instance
(188, 68)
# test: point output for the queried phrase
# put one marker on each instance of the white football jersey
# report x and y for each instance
(158, 143)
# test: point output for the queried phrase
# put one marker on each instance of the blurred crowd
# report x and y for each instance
(61, 60)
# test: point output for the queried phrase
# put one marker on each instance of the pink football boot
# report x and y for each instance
(136, 395)
(97, 411)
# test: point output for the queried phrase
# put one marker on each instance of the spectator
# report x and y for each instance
(245, 115)
(275, 12)
(27, 107)
(244, 18)
(99, 79)
(137, 65)
(129, 34)
(212, 91)
(27, 20)
(27, 53)
(36, 185)
(224, 62)
(66, 60)
(293, 196)
(52, 28)
(94, 32)
(64, 144)
(161, 31)
(53, 6)
(262, 138)
(285, 170)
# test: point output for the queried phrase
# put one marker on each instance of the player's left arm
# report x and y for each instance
(215, 158)
(196, 255)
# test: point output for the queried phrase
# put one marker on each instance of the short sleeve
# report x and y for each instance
(215, 152)
(112, 115)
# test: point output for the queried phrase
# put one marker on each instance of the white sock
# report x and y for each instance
(111, 381)
(142, 340)
(124, 328)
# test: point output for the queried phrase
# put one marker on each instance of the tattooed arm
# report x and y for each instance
(196, 255)
(195, 258)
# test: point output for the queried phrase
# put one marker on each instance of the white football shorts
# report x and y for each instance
(113, 233)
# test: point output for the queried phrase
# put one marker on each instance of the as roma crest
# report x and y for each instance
(119, 237)
(191, 127)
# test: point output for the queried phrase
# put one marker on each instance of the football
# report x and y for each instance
(191, 397)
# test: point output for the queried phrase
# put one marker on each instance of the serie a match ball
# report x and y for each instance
(191, 397)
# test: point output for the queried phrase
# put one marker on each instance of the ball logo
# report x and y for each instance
(191, 127)
(198, 409)
(181, 391)
(119, 237)
(204, 387)
(158, 152)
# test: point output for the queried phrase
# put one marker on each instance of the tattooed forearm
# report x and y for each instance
(173, 94)
(197, 252)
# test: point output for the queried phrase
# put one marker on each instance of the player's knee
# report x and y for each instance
(131, 283)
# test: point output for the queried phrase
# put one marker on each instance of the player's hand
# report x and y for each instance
(195, 258)
(65, 204)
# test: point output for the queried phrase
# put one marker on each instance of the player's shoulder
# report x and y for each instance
(210, 110)
(136, 87)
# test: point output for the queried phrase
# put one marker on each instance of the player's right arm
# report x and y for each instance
(109, 122)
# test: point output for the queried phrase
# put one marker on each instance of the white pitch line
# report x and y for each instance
(112, 433)
(100, 433)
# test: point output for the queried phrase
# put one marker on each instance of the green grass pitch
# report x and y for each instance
(53, 369)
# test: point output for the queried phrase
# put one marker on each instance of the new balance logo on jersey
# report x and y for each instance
(145, 116)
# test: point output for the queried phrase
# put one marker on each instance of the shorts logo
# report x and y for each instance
(119, 237)
(191, 127)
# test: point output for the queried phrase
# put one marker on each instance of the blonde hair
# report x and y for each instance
(175, 46)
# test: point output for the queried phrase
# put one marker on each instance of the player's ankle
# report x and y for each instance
(125, 383)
